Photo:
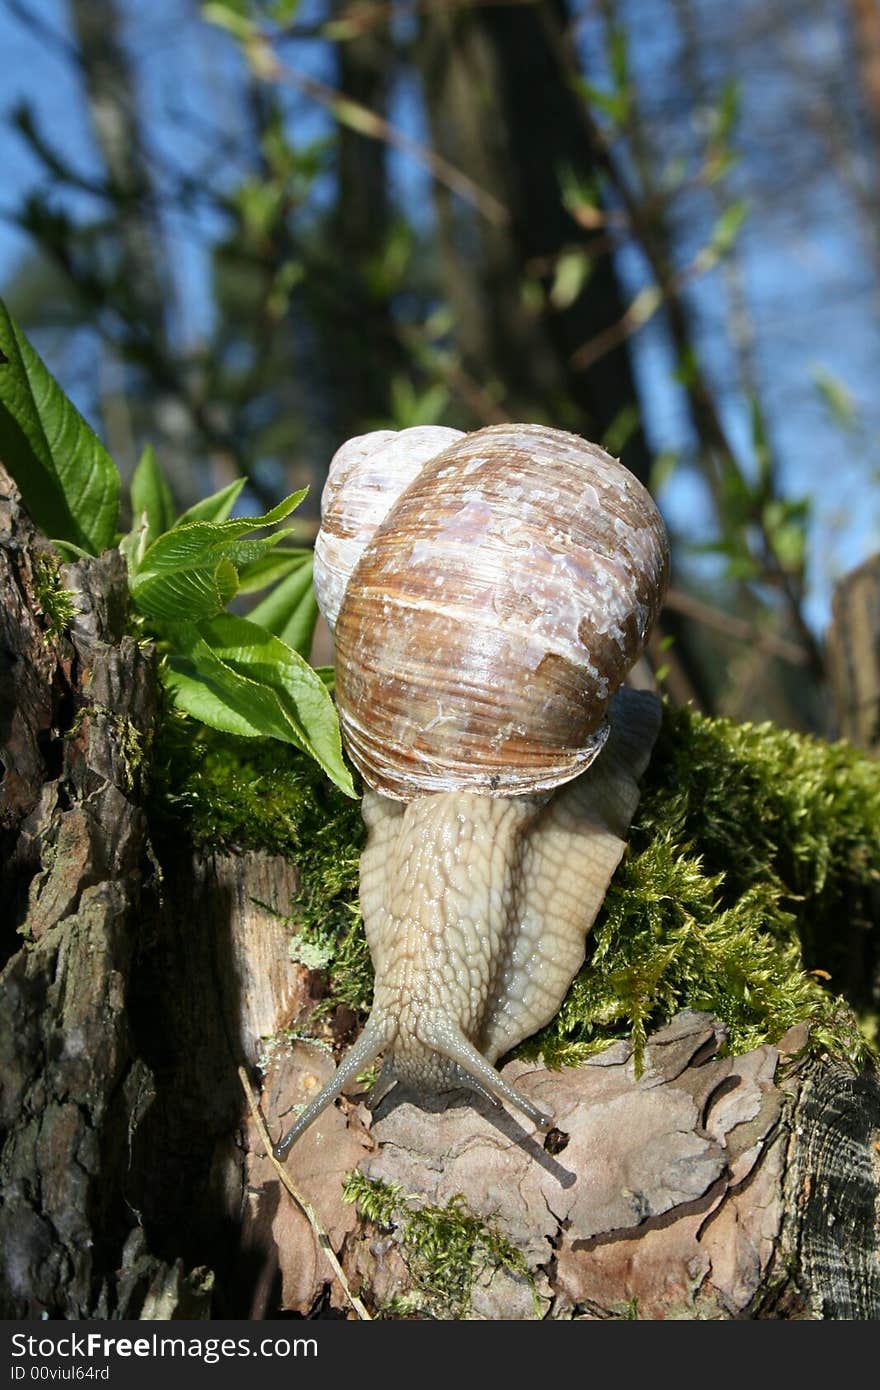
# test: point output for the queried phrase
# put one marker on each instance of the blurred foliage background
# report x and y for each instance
(246, 230)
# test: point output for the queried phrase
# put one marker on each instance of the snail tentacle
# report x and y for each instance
(367, 1048)
(476, 1072)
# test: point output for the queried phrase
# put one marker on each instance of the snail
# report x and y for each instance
(488, 593)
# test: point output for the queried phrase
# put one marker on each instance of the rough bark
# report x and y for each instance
(126, 998)
(139, 975)
(77, 714)
(854, 655)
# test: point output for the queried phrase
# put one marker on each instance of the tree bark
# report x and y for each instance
(706, 1187)
(359, 310)
(140, 975)
(853, 644)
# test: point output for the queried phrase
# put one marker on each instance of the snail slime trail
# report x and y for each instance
(488, 593)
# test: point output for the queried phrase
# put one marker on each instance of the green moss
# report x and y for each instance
(752, 861)
(57, 604)
(446, 1249)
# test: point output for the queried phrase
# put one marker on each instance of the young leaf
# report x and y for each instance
(234, 675)
(192, 571)
(727, 227)
(214, 508)
(291, 610)
(151, 497)
(268, 569)
(66, 477)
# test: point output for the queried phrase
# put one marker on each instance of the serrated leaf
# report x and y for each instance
(214, 508)
(291, 610)
(68, 481)
(192, 571)
(193, 591)
(151, 497)
(234, 675)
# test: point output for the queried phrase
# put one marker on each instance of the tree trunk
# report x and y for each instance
(140, 975)
(502, 110)
(853, 644)
(359, 310)
(111, 93)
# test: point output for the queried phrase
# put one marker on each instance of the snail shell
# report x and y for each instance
(366, 476)
(493, 613)
(489, 593)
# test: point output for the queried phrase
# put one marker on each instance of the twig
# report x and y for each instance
(739, 628)
(302, 1202)
(266, 65)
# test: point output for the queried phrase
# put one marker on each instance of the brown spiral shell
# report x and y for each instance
(493, 614)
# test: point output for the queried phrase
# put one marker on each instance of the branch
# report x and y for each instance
(267, 66)
(302, 1202)
(739, 628)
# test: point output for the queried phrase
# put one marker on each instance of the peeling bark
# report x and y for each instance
(706, 1187)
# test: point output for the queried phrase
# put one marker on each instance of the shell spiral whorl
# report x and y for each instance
(494, 611)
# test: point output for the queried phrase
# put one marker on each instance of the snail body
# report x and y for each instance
(484, 625)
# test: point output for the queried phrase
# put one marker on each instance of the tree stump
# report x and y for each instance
(138, 975)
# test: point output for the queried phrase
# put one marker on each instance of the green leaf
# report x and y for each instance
(192, 571)
(761, 444)
(727, 227)
(618, 55)
(231, 15)
(727, 111)
(572, 272)
(662, 468)
(268, 569)
(785, 523)
(216, 507)
(151, 497)
(65, 475)
(615, 105)
(291, 610)
(621, 430)
(411, 407)
(235, 676)
(837, 398)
